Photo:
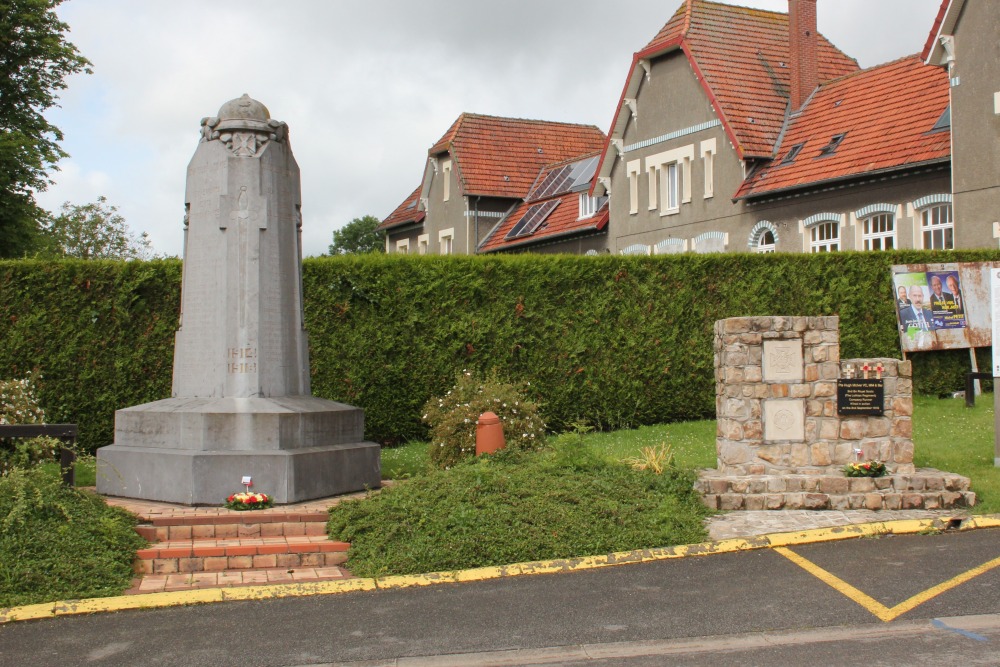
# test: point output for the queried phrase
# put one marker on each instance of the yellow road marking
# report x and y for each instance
(878, 609)
(776, 541)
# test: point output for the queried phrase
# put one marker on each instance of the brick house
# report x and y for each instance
(476, 175)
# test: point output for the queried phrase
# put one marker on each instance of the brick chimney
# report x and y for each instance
(802, 42)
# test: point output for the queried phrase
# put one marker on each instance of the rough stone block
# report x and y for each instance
(794, 501)
(912, 501)
(754, 502)
(824, 389)
(733, 453)
(873, 501)
(840, 503)
(852, 429)
(892, 501)
(877, 427)
(774, 501)
(902, 406)
(902, 427)
(799, 455)
(815, 501)
(834, 485)
(829, 429)
(861, 484)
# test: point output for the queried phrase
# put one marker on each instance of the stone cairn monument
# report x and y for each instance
(791, 414)
(241, 404)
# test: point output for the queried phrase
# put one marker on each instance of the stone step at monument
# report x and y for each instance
(924, 489)
(228, 526)
(186, 581)
(238, 554)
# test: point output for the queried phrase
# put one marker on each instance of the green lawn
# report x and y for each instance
(947, 436)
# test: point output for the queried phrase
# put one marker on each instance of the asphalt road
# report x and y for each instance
(637, 615)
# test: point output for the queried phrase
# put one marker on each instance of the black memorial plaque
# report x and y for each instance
(860, 397)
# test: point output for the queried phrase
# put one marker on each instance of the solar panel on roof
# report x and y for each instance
(532, 220)
(583, 173)
(553, 183)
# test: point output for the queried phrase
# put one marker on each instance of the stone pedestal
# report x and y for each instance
(781, 440)
(241, 403)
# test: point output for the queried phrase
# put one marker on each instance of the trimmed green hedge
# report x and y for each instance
(618, 341)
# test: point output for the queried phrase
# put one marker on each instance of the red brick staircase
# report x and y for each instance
(211, 547)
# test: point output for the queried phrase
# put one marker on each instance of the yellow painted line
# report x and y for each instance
(181, 598)
(273, 591)
(878, 609)
(838, 584)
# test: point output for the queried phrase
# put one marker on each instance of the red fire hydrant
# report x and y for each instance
(489, 434)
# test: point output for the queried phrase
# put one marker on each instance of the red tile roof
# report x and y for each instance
(887, 113)
(935, 29)
(562, 221)
(743, 55)
(500, 157)
(405, 212)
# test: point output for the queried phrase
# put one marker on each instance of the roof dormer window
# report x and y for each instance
(831, 147)
(792, 154)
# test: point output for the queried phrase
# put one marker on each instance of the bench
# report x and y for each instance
(65, 432)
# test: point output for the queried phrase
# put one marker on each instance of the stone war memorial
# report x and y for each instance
(791, 414)
(241, 405)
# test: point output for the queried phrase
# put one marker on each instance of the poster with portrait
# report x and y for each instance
(943, 306)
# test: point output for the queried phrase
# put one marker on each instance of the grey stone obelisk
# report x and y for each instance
(241, 403)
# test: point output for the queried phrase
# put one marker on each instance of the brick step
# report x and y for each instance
(157, 583)
(214, 555)
(234, 525)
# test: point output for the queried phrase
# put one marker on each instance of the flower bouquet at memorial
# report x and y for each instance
(873, 468)
(244, 501)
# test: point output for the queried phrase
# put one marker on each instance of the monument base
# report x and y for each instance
(196, 451)
(924, 489)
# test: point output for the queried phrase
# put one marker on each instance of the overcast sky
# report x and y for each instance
(366, 87)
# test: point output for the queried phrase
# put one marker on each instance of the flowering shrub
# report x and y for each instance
(248, 501)
(453, 417)
(873, 468)
(18, 405)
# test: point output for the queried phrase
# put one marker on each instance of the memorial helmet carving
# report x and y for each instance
(244, 113)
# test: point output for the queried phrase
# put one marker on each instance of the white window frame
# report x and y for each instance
(446, 183)
(446, 241)
(403, 246)
(633, 169)
(707, 151)
(882, 238)
(588, 206)
(423, 242)
(817, 242)
(672, 170)
(943, 229)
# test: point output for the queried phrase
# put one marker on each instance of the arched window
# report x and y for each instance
(824, 237)
(879, 232)
(937, 224)
(763, 237)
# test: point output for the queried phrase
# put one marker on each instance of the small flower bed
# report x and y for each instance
(244, 501)
(873, 468)
(453, 418)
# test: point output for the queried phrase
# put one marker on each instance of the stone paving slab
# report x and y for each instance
(764, 522)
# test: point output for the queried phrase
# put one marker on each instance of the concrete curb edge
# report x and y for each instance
(275, 591)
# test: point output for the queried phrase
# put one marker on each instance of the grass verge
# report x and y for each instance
(514, 507)
(59, 543)
(949, 436)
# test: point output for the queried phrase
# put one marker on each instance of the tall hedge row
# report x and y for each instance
(618, 341)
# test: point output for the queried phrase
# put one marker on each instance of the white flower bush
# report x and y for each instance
(454, 418)
(18, 405)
